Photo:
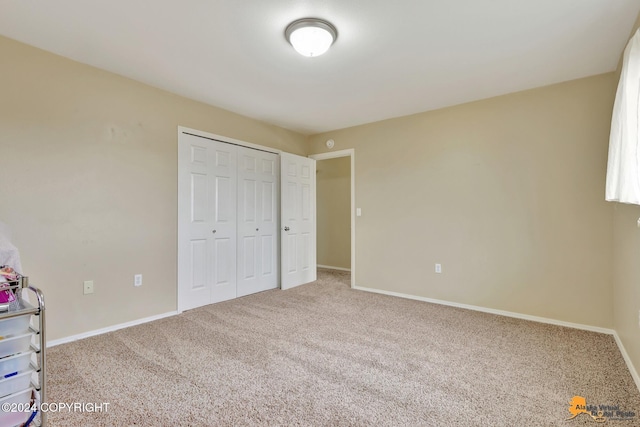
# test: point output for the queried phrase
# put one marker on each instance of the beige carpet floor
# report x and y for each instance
(325, 355)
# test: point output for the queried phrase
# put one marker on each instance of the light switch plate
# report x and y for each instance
(88, 287)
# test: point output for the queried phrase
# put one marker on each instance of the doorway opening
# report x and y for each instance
(335, 185)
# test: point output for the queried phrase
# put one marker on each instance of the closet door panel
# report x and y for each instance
(257, 225)
(223, 237)
(196, 222)
(248, 228)
(268, 219)
(269, 243)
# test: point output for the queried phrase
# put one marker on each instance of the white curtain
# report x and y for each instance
(623, 167)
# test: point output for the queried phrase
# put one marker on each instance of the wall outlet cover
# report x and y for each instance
(87, 287)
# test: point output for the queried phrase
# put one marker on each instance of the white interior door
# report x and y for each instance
(257, 221)
(207, 179)
(298, 213)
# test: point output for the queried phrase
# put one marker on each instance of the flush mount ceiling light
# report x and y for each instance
(311, 36)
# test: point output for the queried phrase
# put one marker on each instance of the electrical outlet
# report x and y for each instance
(137, 280)
(88, 287)
(438, 268)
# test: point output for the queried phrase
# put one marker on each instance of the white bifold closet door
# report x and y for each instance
(257, 221)
(227, 221)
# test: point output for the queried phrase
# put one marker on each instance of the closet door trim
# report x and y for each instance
(219, 138)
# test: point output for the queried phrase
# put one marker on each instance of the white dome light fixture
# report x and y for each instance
(311, 36)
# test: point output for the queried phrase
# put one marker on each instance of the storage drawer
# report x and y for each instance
(13, 345)
(14, 364)
(14, 326)
(15, 383)
(19, 400)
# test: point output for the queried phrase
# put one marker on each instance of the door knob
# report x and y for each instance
(286, 229)
(257, 229)
(214, 231)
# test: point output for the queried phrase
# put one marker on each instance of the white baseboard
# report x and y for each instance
(334, 268)
(493, 311)
(625, 355)
(88, 334)
(627, 359)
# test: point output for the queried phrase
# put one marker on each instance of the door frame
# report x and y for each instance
(189, 131)
(350, 152)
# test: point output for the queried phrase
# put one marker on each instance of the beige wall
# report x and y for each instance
(506, 193)
(626, 274)
(88, 183)
(333, 195)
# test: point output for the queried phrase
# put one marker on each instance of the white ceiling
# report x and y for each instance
(391, 58)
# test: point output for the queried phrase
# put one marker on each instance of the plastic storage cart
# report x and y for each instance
(22, 357)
